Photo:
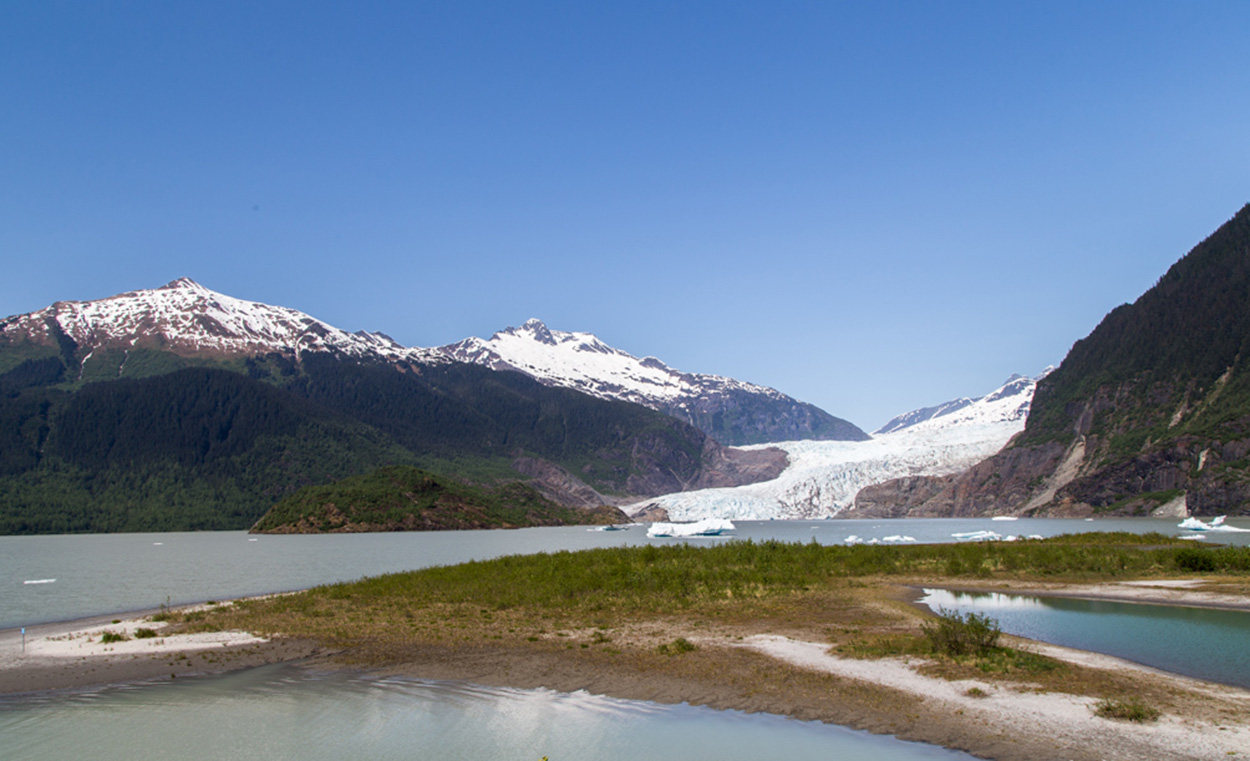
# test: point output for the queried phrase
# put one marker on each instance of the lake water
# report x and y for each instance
(1199, 642)
(284, 712)
(100, 574)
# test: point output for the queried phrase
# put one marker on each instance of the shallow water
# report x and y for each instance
(282, 712)
(1200, 642)
(99, 574)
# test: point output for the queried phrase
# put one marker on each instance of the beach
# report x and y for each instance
(782, 671)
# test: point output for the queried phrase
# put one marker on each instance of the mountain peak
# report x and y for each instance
(538, 329)
(182, 283)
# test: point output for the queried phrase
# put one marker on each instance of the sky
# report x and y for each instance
(872, 207)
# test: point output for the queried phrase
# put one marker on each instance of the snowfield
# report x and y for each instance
(824, 476)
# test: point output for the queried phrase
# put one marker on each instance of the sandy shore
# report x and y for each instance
(74, 655)
(762, 672)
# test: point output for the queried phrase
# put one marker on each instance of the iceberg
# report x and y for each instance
(1216, 524)
(978, 536)
(706, 527)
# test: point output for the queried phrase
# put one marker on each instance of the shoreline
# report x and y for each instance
(767, 672)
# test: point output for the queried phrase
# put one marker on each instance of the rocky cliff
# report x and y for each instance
(1149, 414)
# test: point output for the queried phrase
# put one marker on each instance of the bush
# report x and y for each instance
(1193, 559)
(677, 647)
(961, 634)
(111, 637)
(1126, 710)
(144, 633)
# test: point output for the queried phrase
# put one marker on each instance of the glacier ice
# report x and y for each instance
(824, 476)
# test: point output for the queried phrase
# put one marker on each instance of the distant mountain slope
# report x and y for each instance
(1150, 412)
(1009, 402)
(825, 478)
(731, 411)
(180, 408)
(188, 320)
(149, 332)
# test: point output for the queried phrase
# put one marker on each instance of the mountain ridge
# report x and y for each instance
(186, 320)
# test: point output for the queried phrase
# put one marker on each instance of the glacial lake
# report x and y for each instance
(283, 712)
(1205, 643)
(66, 577)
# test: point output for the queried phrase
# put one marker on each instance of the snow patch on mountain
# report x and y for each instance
(581, 361)
(187, 318)
(824, 476)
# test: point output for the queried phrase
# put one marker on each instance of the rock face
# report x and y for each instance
(1149, 412)
(731, 411)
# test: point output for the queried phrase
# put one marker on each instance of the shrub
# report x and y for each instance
(678, 646)
(1193, 559)
(1126, 710)
(954, 633)
(110, 637)
(144, 633)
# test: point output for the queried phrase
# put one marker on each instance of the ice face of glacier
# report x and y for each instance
(824, 476)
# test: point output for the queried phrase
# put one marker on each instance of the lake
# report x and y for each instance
(99, 574)
(283, 712)
(1204, 643)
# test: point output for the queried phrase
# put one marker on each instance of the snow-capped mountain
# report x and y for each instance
(732, 411)
(1009, 402)
(185, 318)
(824, 476)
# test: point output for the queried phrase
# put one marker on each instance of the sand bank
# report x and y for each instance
(75, 655)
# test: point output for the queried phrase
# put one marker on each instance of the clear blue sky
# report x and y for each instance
(871, 206)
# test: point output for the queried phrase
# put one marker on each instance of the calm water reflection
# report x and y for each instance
(284, 713)
(1199, 642)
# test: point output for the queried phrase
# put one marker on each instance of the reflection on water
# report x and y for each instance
(1199, 642)
(282, 712)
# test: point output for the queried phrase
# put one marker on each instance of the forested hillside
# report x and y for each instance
(210, 448)
(1150, 412)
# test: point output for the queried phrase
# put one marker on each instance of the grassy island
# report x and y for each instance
(683, 623)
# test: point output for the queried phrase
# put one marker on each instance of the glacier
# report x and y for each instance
(823, 477)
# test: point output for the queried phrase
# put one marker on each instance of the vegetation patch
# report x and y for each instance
(1131, 709)
(953, 633)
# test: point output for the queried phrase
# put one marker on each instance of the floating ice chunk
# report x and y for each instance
(39, 581)
(978, 536)
(1216, 524)
(1005, 518)
(706, 527)
(852, 539)
(898, 538)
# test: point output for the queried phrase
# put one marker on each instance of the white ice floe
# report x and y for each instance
(978, 536)
(39, 581)
(1216, 524)
(707, 527)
